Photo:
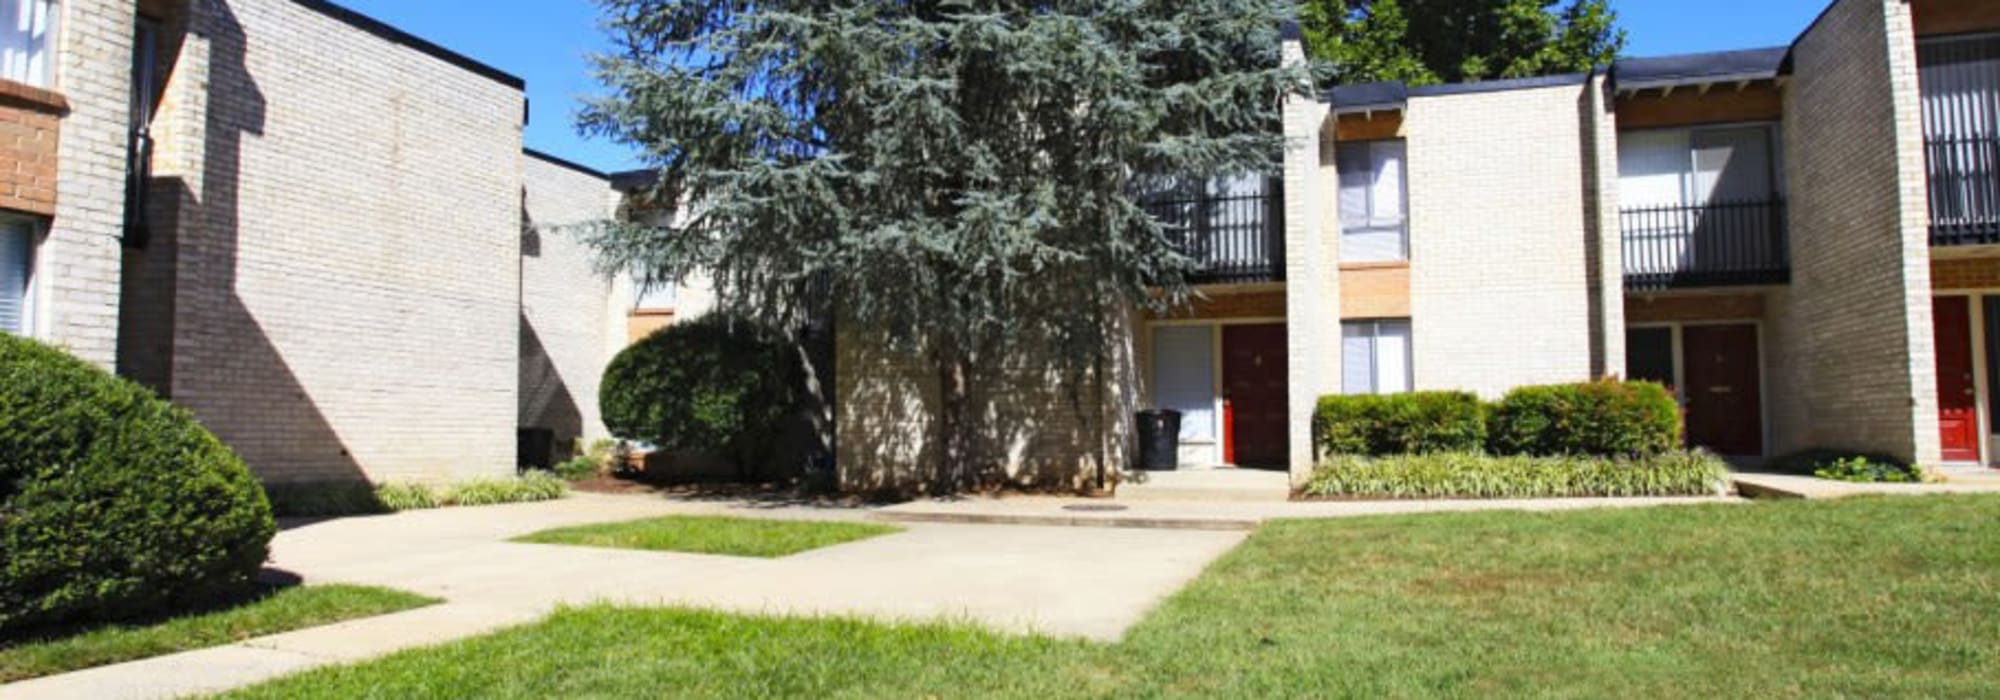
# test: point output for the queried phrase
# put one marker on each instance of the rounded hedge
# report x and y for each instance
(113, 503)
(1605, 418)
(711, 384)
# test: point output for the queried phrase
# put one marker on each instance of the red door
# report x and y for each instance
(1725, 402)
(1958, 408)
(1256, 426)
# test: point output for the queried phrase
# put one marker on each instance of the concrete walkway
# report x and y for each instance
(1793, 486)
(1059, 581)
(1221, 515)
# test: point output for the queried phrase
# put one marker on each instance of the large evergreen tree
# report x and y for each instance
(962, 174)
(1424, 42)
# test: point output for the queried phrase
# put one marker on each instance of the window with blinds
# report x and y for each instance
(1373, 204)
(1375, 357)
(27, 41)
(17, 258)
(1960, 83)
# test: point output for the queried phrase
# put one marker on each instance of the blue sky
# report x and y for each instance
(545, 42)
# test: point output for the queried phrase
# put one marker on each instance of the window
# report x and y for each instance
(1373, 225)
(27, 41)
(1696, 167)
(648, 295)
(1375, 357)
(17, 257)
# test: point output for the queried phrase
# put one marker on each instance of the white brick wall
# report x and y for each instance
(1855, 327)
(77, 266)
(349, 270)
(1499, 292)
(1312, 267)
(564, 302)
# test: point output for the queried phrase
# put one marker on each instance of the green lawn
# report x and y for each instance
(743, 537)
(1864, 598)
(281, 611)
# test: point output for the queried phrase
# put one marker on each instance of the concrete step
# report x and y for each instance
(1207, 485)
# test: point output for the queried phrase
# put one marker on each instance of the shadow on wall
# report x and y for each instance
(546, 404)
(185, 331)
(1036, 434)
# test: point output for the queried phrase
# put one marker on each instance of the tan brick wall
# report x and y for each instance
(1965, 273)
(1312, 264)
(1374, 291)
(1853, 333)
(30, 130)
(564, 347)
(1499, 288)
(77, 264)
(348, 247)
(1687, 308)
(1604, 262)
(1041, 436)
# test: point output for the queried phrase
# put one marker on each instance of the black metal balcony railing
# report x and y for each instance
(1704, 245)
(1236, 238)
(1965, 190)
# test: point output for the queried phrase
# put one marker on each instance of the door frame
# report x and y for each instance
(1981, 391)
(1146, 398)
(1763, 369)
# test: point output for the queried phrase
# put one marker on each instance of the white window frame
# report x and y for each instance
(30, 306)
(1690, 173)
(45, 78)
(1347, 227)
(1374, 327)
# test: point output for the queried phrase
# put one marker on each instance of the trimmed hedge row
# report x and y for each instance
(1602, 418)
(113, 503)
(1473, 475)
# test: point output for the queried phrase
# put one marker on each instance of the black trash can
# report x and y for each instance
(1159, 440)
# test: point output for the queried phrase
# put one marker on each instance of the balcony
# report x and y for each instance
(1717, 244)
(1236, 233)
(1965, 190)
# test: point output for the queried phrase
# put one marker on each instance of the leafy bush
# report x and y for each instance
(324, 499)
(1399, 423)
(1471, 475)
(1849, 466)
(712, 384)
(1604, 418)
(113, 503)
(487, 492)
(401, 497)
(593, 462)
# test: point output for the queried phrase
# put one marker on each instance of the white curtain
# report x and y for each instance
(1371, 201)
(16, 258)
(1184, 378)
(1392, 357)
(1357, 358)
(1375, 357)
(27, 41)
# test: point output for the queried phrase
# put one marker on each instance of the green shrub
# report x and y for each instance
(1389, 424)
(1472, 475)
(401, 497)
(1603, 418)
(488, 492)
(1848, 466)
(324, 499)
(113, 503)
(593, 462)
(712, 384)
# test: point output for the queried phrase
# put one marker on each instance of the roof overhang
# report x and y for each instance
(1701, 72)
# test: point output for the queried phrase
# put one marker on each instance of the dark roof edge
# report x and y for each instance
(1546, 81)
(1393, 95)
(397, 36)
(629, 180)
(566, 163)
(1291, 31)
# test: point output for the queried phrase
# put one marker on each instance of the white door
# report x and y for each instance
(1184, 380)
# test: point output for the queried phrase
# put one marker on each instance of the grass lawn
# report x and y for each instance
(743, 537)
(281, 611)
(1862, 598)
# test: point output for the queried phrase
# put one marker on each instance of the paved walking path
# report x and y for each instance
(1059, 581)
(1222, 515)
(1790, 486)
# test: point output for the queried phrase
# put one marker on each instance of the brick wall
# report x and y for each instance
(1854, 330)
(1499, 288)
(30, 129)
(564, 347)
(1312, 265)
(77, 264)
(348, 247)
(1374, 291)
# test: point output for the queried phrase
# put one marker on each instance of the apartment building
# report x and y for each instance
(316, 231)
(1802, 241)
